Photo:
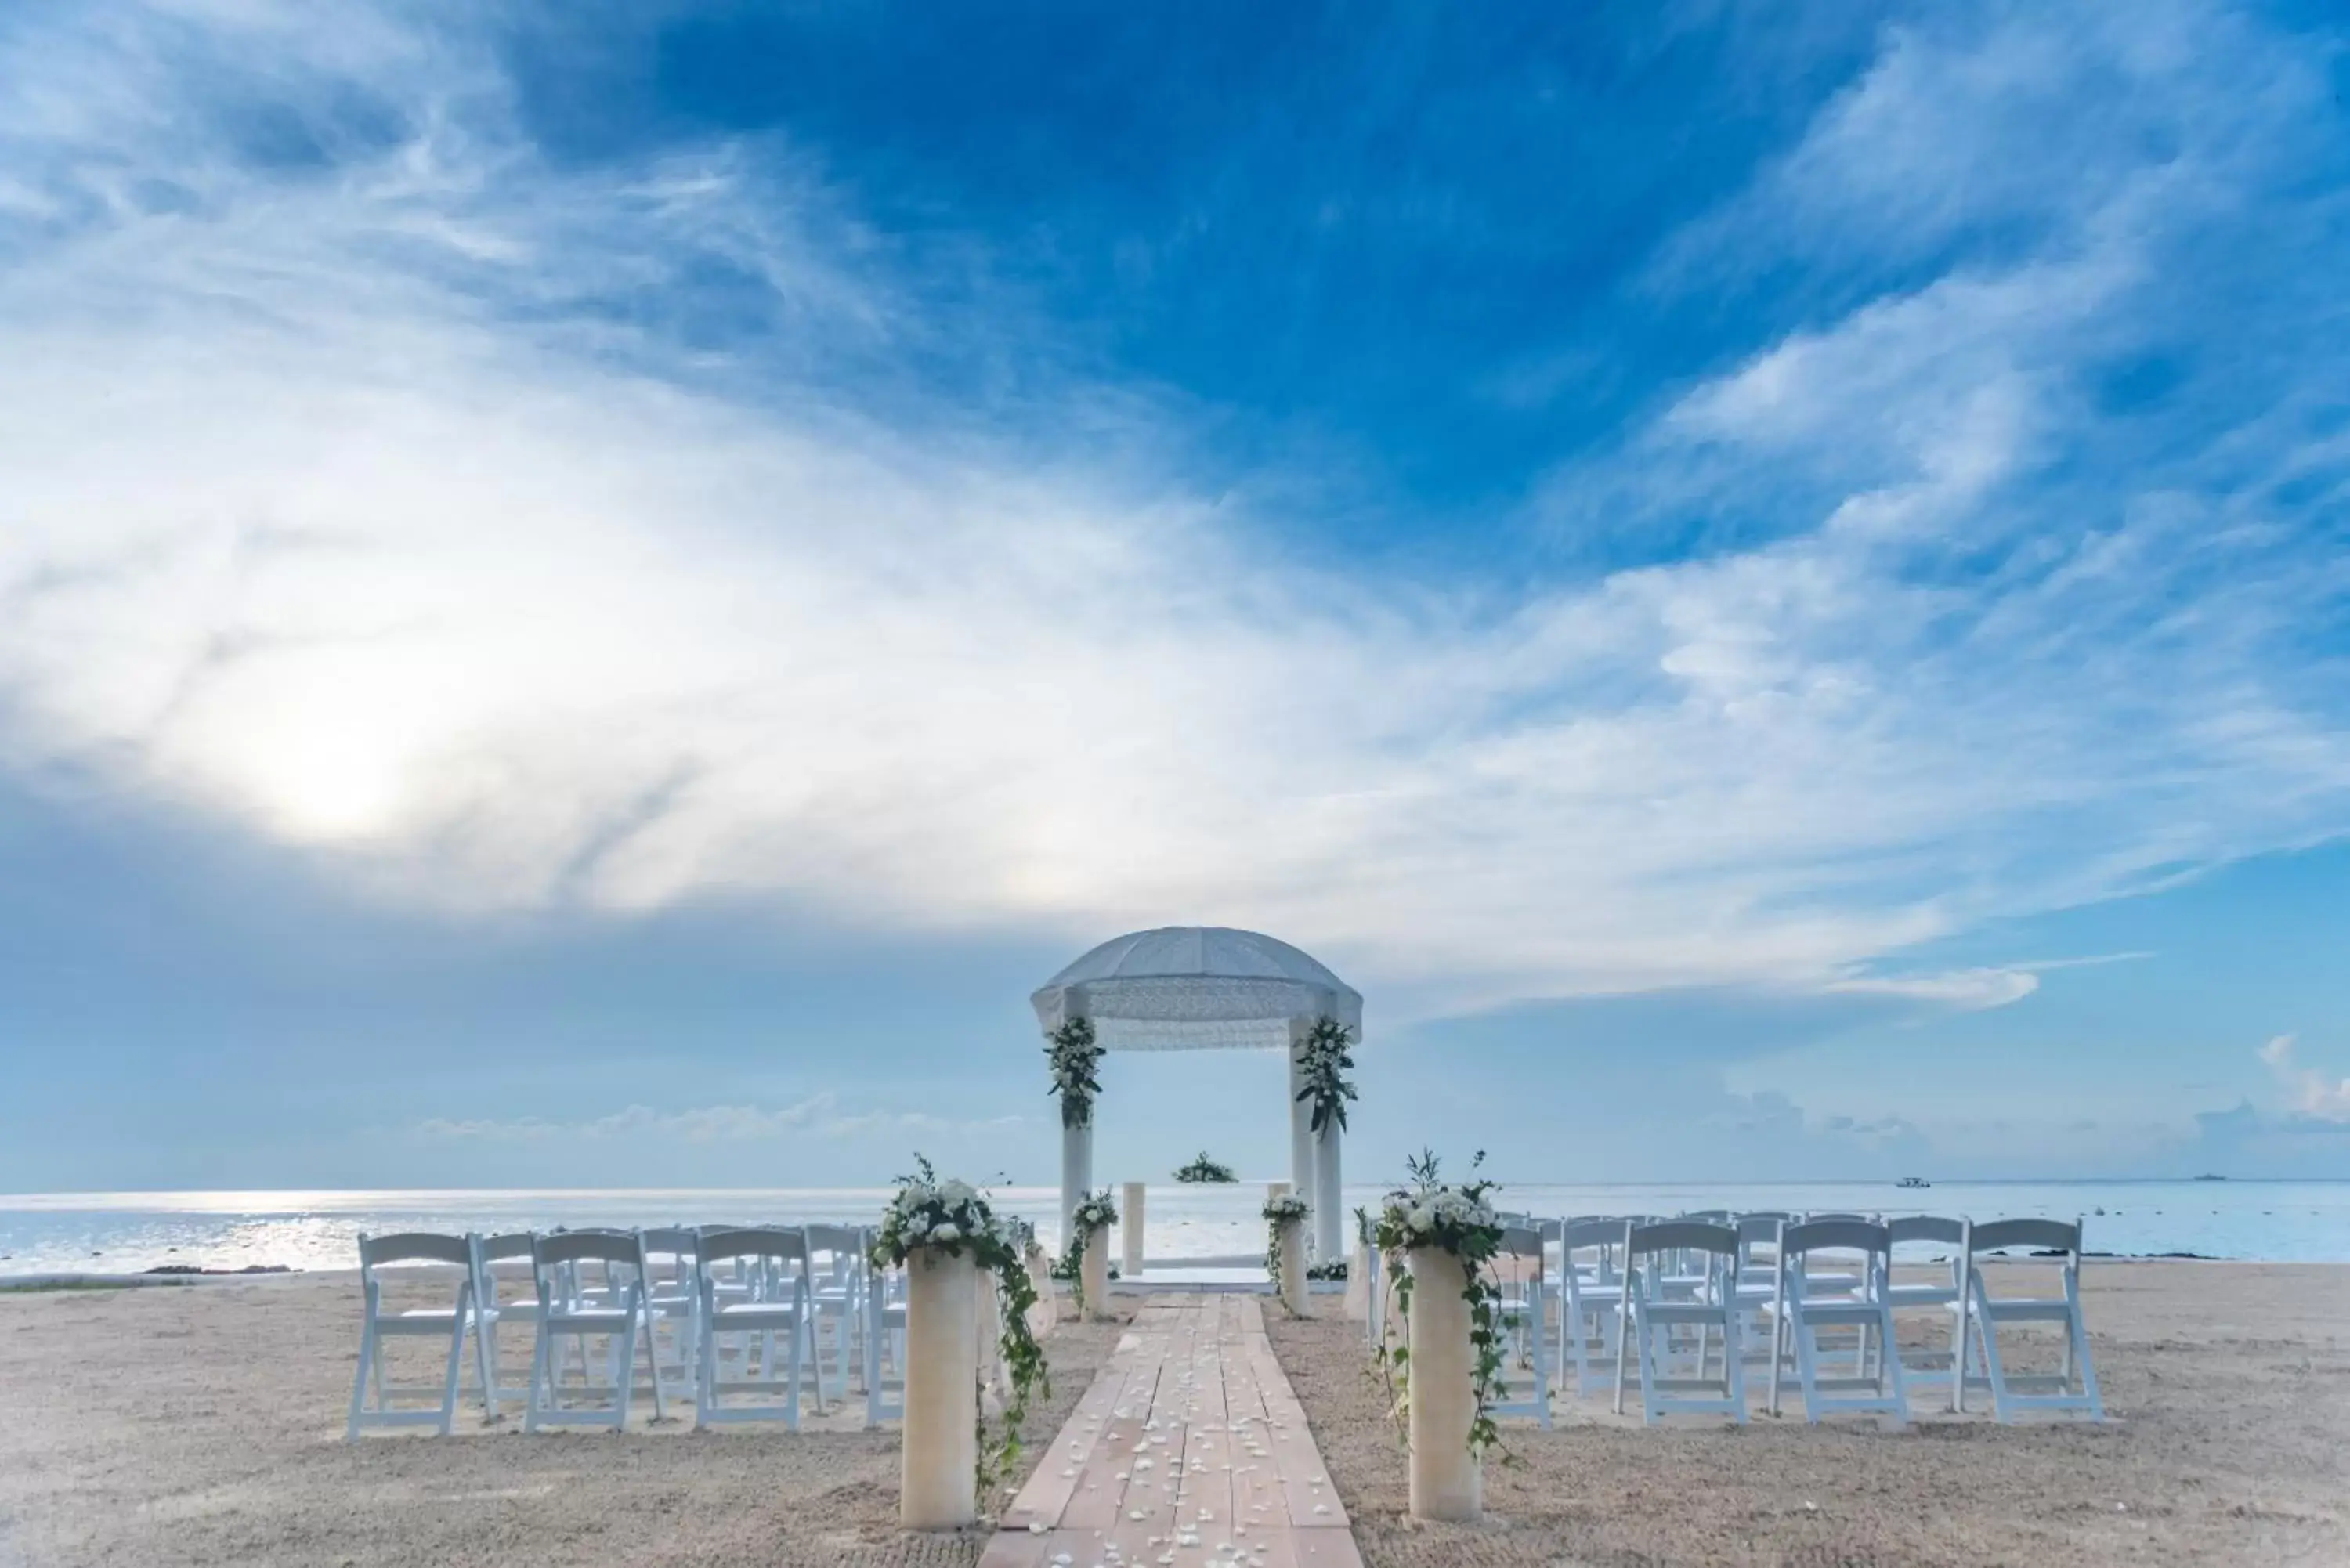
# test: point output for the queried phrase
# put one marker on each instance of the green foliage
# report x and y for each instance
(1205, 1170)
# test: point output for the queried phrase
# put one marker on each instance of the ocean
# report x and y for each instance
(128, 1232)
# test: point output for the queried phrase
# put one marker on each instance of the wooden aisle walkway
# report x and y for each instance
(1190, 1449)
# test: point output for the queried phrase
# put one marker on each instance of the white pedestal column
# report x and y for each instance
(1446, 1482)
(1077, 1174)
(1130, 1223)
(1047, 1313)
(1330, 1216)
(939, 1453)
(1300, 1116)
(1292, 1282)
(1358, 1285)
(1093, 1269)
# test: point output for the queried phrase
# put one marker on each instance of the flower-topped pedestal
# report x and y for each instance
(1088, 1262)
(1285, 1214)
(1450, 1374)
(942, 1233)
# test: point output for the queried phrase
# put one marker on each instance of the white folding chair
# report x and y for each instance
(885, 1344)
(567, 1311)
(1758, 1239)
(835, 1277)
(1663, 1293)
(490, 1310)
(672, 1300)
(777, 1260)
(1800, 1310)
(2014, 1393)
(451, 1322)
(1525, 1309)
(1756, 1279)
(1591, 1302)
(1942, 1292)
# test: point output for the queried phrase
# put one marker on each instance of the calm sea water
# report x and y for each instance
(123, 1232)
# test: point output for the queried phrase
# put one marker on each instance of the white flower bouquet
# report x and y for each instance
(1285, 1207)
(1096, 1212)
(949, 1215)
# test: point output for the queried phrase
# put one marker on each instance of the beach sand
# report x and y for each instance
(2229, 1385)
(204, 1425)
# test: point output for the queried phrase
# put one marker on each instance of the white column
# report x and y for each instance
(1077, 1174)
(1446, 1481)
(1330, 1216)
(939, 1453)
(1093, 1269)
(1047, 1313)
(1301, 1116)
(1291, 1284)
(1130, 1223)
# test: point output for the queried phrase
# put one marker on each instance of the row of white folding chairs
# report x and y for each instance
(1692, 1280)
(1835, 1273)
(776, 1281)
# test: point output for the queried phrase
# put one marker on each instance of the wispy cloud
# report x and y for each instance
(819, 1115)
(394, 500)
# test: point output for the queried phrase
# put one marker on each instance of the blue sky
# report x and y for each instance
(593, 595)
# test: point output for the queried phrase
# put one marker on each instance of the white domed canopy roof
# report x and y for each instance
(1187, 988)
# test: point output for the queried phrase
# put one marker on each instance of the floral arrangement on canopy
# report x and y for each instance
(1280, 1209)
(1094, 1214)
(1324, 1063)
(1459, 1220)
(1074, 1058)
(954, 1218)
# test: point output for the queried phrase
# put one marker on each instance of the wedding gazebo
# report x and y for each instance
(1191, 987)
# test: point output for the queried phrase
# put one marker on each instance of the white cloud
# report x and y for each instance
(819, 1115)
(2313, 1093)
(382, 509)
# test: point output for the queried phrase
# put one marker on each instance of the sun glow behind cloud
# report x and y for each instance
(379, 507)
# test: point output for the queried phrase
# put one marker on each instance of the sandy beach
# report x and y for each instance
(2228, 1384)
(204, 1426)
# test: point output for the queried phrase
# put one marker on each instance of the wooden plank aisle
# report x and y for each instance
(1190, 1450)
